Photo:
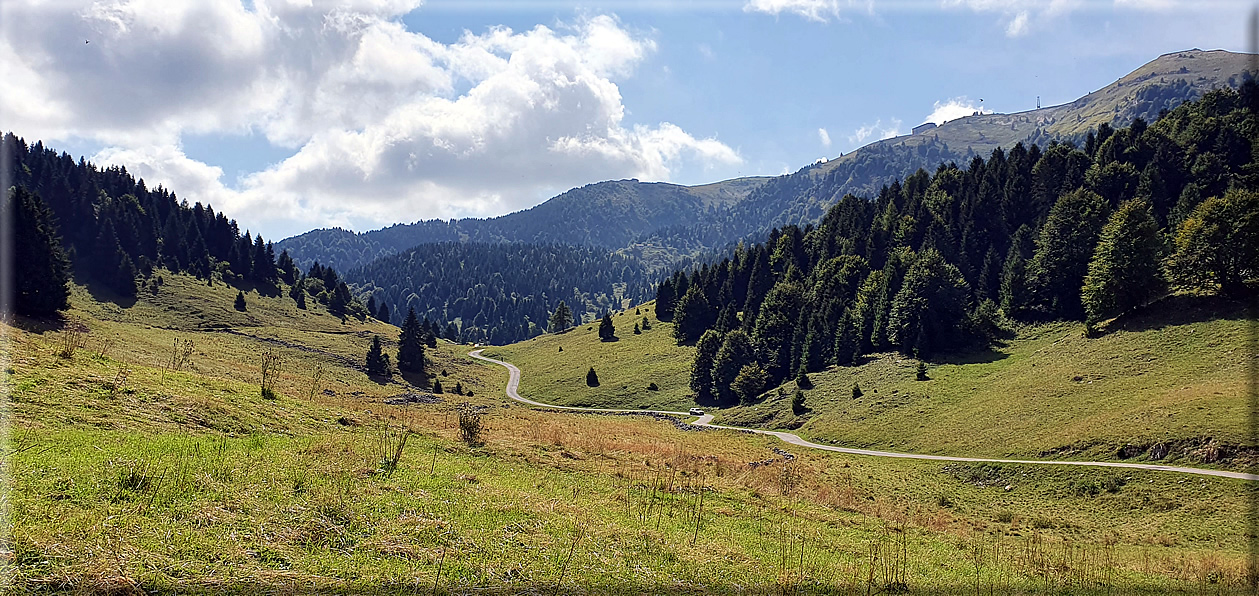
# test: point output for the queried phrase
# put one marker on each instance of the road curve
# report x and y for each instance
(513, 383)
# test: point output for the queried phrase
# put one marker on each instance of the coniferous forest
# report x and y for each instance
(500, 293)
(939, 263)
(113, 232)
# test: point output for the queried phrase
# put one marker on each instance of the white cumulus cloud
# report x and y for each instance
(876, 132)
(952, 109)
(824, 136)
(384, 124)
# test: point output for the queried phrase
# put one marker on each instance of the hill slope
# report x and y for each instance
(663, 224)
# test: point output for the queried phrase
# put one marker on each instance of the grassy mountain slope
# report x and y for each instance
(181, 478)
(1175, 375)
(664, 223)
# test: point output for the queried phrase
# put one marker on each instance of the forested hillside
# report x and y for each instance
(500, 293)
(117, 230)
(935, 262)
(611, 215)
(665, 225)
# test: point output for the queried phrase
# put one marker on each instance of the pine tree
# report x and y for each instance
(1064, 248)
(856, 391)
(930, 311)
(637, 331)
(561, 319)
(646, 324)
(802, 379)
(40, 267)
(240, 301)
(606, 330)
(437, 386)
(702, 367)
(1126, 269)
(383, 313)
(692, 316)
(592, 379)
(411, 345)
(377, 359)
(736, 352)
(371, 306)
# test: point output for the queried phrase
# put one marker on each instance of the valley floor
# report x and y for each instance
(133, 468)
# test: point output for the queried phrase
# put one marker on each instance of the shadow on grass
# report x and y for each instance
(1180, 309)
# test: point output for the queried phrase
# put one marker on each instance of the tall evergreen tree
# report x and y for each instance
(377, 359)
(561, 319)
(40, 267)
(1064, 249)
(693, 315)
(702, 367)
(929, 313)
(606, 330)
(411, 345)
(736, 352)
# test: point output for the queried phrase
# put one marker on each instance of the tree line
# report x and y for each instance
(936, 262)
(500, 293)
(112, 230)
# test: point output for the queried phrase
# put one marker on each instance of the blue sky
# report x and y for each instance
(369, 112)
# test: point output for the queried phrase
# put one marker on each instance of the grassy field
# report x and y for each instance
(555, 365)
(1171, 379)
(182, 479)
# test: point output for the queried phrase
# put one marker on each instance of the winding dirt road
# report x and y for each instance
(513, 383)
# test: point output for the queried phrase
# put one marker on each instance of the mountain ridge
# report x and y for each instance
(666, 224)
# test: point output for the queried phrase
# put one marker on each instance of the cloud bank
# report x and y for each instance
(952, 109)
(385, 124)
(875, 132)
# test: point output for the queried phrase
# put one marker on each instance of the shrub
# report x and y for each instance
(856, 391)
(437, 386)
(471, 426)
(797, 403)
(653, 386)
(240, 301)
(802, 379)
(922, 371)
(750, 382)
(592, 379)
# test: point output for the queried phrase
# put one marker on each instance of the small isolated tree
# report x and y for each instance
(856, 391)
(607, 332)
(922, 371)
(383, 313)
(797, 403)
(802, 379)
(377, 359)
(270, 367)
(437, 386)
(411, 345)
(1125, 271)
(240, 301)
(561, 319)
(592, 379)
(652, 386)
(750, 382)
(458, 390)
(646, 324)
(637, 331)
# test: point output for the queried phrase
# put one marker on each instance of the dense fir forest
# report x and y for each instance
(937, 263)
(499, 293)
(114, 232)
